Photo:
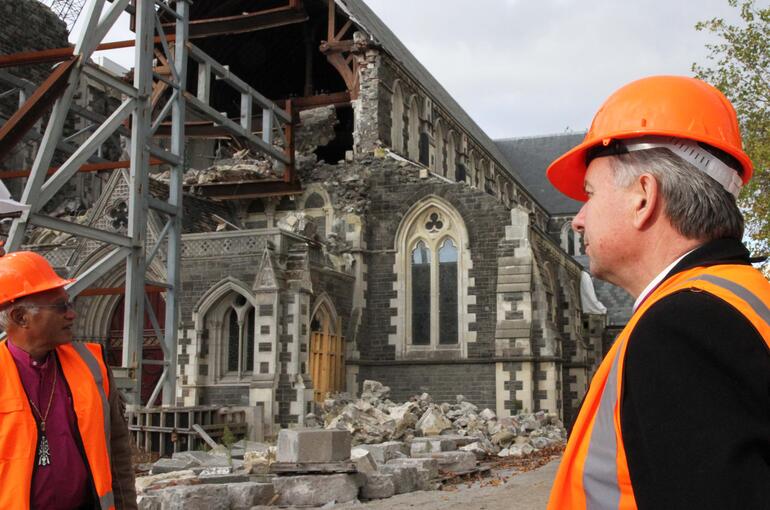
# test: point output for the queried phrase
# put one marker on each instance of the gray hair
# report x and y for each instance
(695, 204)
(5, 313)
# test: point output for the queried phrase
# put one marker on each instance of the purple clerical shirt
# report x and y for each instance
(64, 483)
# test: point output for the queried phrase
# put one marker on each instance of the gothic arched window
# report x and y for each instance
(238, 344)
(433, 285)
(434, 282)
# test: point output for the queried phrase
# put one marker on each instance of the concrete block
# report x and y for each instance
(363, 460)
(313, 445)
(195, 497)
(404, 477)
(315, 490)
(432, 444)
(378, 486)
(245, 495)
(426, 463)
(387, 451)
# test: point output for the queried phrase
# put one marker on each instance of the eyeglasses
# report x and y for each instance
(61, 307)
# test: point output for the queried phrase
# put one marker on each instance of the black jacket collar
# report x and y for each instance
(718, 251)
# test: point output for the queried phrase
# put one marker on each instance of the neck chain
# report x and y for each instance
(44, 453)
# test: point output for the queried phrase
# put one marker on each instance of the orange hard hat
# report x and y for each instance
(23, 273)
(671, 106)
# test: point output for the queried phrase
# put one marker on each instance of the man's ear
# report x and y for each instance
(19, 316)
(646, 198)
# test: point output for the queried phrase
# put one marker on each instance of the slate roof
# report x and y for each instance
(531, 156)
(382, 35)
(619, 303)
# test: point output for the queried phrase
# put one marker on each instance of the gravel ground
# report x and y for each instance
(523, 491)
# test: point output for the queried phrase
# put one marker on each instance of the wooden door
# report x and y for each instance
(327, 358)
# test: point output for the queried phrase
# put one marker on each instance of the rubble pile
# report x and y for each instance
(234, 478)
(242, 166)
(374, 418)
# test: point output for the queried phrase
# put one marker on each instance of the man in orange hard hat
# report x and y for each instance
(678, 414)
(63, 440)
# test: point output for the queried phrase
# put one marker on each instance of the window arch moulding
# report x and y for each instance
(432, 264)
(226, 300)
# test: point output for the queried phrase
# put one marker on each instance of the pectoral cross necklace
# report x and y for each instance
(44, 453)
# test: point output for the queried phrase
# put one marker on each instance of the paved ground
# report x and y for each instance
(524, 491)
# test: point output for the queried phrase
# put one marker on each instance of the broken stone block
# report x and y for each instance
(313, 445)
(257, 462)
(404, 477)
(503, 438)
(378, 486)
(540, 442)
(384, 452)
(171, 465)
(154, 482)
(428, 464)
(195, 497)
(456, 462)
(245, 495)
(476, 449)
(488, 414)
(433, 422)
(148, 502)
(315, 490)
(432, 444)
(363, 460)
(424, 480)
(374, 390)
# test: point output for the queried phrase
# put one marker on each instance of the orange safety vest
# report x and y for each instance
(86, 374)
(594, 473)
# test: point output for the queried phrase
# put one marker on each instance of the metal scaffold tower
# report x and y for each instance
(137, 110)
(67, 10)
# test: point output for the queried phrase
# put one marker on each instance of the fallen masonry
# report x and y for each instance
(368, 448)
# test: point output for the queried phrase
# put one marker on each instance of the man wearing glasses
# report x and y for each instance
(63, 440)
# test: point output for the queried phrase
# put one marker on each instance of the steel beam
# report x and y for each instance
(13, 131)
(246, 22)
(139, 153)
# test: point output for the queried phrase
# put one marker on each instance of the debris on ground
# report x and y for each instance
(374, 418)
(361, 449)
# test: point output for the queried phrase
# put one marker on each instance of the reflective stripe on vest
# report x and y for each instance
(594, 473)
(86, 376)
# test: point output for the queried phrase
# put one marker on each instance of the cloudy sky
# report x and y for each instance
(525, 67)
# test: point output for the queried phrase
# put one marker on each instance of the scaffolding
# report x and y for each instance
(139, 116)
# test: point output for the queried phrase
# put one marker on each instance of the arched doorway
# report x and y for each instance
(151, 346)
(327, 352)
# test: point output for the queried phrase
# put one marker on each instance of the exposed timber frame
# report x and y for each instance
(341, 53)
(146, 112)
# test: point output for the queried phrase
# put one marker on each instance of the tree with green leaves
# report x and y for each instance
(739, 65)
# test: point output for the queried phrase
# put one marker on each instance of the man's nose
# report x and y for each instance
(578, 223)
